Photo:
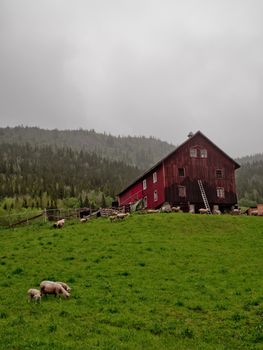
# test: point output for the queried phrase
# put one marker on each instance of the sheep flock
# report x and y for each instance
(49, 287)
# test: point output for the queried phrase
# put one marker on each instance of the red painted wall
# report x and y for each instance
(133, 194)
(136, 191)
(157, 186)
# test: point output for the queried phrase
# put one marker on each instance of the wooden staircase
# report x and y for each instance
(203, 194)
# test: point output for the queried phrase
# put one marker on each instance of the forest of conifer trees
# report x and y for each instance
(45, 176)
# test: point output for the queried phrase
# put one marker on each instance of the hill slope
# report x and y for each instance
(165, 281)
(141, 152)
(37, 174)
(250, 182)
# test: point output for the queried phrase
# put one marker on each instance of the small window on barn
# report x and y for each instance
(203, 153)
(193, 152)
(155, 177)
(219, 173)
(220, 192)
(182, 191)
(181, 171)
(155, 196)
(144, 184)
(145, 202)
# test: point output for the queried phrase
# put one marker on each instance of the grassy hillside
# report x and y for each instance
(166, 281)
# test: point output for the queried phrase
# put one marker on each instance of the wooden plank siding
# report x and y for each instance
(214, 168)
(136, 191)
(200, 168)
(152, 187)
(132, 195)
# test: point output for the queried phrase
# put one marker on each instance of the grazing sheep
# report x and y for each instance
(152, 211)
(176, 209)
(49, 287)
(216, 212)
(203, 211)
(34, 294)
(59, 223)
(65, 286)
(82, 220)
(113, 218)
(254, 212)
(236, 211)
(121, 216)
(166, 208)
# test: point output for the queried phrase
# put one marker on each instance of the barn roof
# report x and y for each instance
(139, 178)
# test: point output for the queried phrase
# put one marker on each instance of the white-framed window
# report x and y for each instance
(145, 202)
(155, 177)
(155, 196)
(182, 191)
(219, 173)
(193, 152)
(220, 192)
(144, 184)
(181, 172)
(203, 153)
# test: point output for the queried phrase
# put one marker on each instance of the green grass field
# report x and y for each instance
(163, 281)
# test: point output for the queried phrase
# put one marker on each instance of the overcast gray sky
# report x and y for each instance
(137, 67)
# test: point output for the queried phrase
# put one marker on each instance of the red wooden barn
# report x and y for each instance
(197, 174)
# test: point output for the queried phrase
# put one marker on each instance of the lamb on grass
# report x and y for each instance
(34, 294)
(56, 288)
(59, 223)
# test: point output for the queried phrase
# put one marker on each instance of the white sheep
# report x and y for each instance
(112, 218)
(216, 212)
(59, 223)
(50, 287)
(34, 294)
(203, 211)
(176, 209)
(65, 286)
(152, 211)
(236, 211)
(121, 216)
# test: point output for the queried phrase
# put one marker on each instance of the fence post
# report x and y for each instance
(45, 215)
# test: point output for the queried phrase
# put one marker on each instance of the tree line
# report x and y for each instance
(250, 181)
(140, 152)
(34, 176)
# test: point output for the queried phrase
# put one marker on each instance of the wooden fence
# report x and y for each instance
(12, 220)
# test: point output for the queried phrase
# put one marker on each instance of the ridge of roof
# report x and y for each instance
(172, 152)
